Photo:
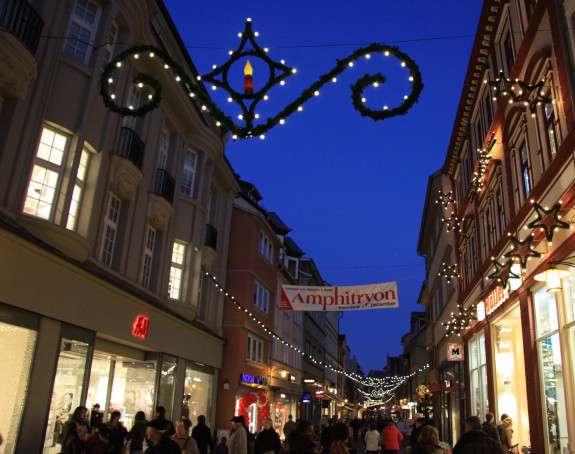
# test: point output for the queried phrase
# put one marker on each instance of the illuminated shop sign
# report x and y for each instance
(495, 299)
(250, 379)
(140, 326)
(306, 398)
(455, 352)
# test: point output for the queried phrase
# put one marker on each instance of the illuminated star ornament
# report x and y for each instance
(522, 251)
(520, 92)
(452, 223)
(460, 321)
(503, 272)
(445, 199)
(548, 225)
(248, 100)
(482, 163)
(450, 272)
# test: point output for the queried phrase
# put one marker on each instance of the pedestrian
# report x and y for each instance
(71, 443)
(340, 436)
(159, 440)
(288, 426)
(372, 439)
(415, 432)
(117, 433)
(222, 447)
(504, 416)
(355, 425)
(186, 443)
(80, 417)
(268, 440)
(137, 433)
(300, 439)
(490, 428)
(160, 415)
(97, 443)
(203, 435)
(474, 440)
(391, 437)
(428, 442)
(507, 434)
(238, 438)
(96, 416)
(326, 436)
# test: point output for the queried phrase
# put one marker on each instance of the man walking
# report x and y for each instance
(288, 426)
(238, 443)
(203, 436)
(490, 428)
(474, 440)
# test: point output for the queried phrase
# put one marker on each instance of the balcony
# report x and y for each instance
(131, 147)
(164, 185)
(23, 21)
(211, 237)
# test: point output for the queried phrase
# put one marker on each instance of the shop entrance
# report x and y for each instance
(122, 384)
(510, 384)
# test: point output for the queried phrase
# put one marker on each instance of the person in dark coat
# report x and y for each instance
(160, 442)
(300, 439)
(98, 442)
(203, 436)
(160, 415)
(326, 437)
(71, 443)
(117, 433)
(137, 433)
(268, 440)
(288, 426)
(222, 447)
(490, 428)
(474, 440)
(418, 426)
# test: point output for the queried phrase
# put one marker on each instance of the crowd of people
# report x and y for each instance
(90, 435)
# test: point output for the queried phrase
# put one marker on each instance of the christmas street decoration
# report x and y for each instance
(448, 271)
(522, 251)
(460, 321)
(445, 199)
(503, 272)
(482, 163)
(541, 220)
(278, 72)
(519, 91)
(452, 223)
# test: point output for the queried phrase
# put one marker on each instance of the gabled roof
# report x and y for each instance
(278, 225)
(292, 248)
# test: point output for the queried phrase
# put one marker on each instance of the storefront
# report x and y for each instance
(80, 340)
(253, 401)
(284, 404)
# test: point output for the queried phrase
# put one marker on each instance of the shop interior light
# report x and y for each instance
(552, 277)
(284, 373)
(308, 380)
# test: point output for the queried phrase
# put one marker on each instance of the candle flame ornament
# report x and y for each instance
(248, 79)
(278, 72)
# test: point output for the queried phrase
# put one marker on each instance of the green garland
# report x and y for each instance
(503, 272)
(197, 91)
(517, 248)
(519, 91)
(539, 221)
(482, 163)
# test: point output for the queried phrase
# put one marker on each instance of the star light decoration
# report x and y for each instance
(396, 380)
(449, 271)
(460, 321)
(520, 92)
(482, 163)
(247, 101)
(445, 199)
(545, 223)
(452, 223)
(503, 272)
(522, 251)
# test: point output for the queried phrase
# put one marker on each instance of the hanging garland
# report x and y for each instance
(542, 215)
(196, 90)
(482, 163)
(460, 321)
(519, 91)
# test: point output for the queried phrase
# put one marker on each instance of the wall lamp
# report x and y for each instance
(552, 276)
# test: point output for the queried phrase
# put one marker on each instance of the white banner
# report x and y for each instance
(352, 298)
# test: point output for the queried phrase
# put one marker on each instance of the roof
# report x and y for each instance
(293, 248)
(277, 224)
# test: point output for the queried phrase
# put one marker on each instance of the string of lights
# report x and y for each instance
(369, 381)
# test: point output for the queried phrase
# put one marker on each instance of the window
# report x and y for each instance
(525, 170)
(82, 29)
(261, 297)
(188, 176)
(78, 190)
(110, 43)
(255, 349)
(266, 247)
(508, 55)
(47, 172)
(177, 271)
(134, 97)
(163, 151)
(109, 233)
(148, 257)
(478, 376)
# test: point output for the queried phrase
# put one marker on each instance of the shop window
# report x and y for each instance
(478, 376)
(67, 391)
(167, 382)
(177, 271)
(551, 367)
(16, 354)
(82, 30)
(129, 383)
(198, 388)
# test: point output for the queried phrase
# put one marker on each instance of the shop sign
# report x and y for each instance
(140, 326)
(306, 398)
(450, 385)
(455, 352)
(319, 394)
(495, 299)
(434, 387)
(250, 379)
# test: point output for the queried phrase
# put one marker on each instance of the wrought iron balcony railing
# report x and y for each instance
(131, 147)
(164, 185)
(23, 21)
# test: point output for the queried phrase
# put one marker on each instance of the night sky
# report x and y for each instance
(352, 189)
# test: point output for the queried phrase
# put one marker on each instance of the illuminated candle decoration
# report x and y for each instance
(248, 79)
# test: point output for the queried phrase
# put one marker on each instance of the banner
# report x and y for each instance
(352, 298)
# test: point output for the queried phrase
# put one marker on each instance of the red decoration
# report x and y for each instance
(255, 397)
(140, 326)
(248, 79)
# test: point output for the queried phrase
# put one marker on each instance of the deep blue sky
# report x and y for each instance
(351, 189)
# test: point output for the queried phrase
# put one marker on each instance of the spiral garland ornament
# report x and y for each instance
(248, 100)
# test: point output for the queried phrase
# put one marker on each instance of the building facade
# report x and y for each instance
(107, 224)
